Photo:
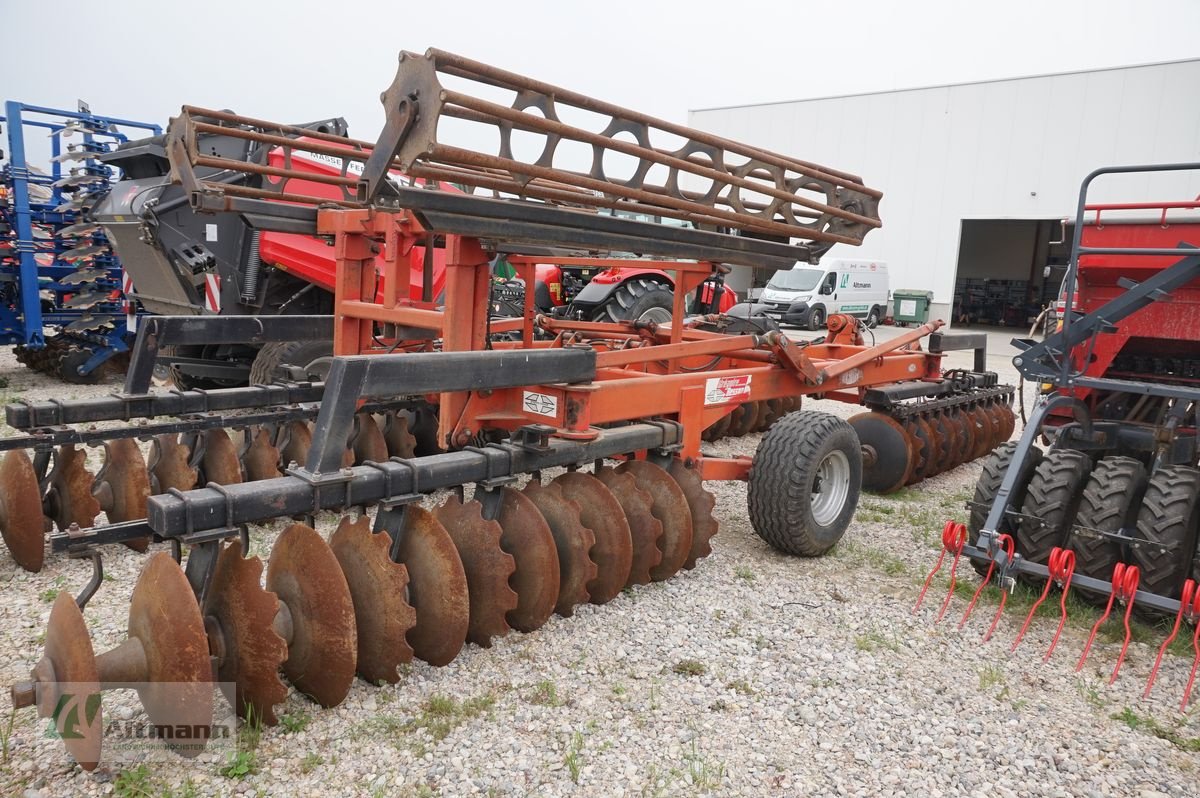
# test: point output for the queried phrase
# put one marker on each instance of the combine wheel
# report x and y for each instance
(170, 465)
(602, 513)
(487, 567)
(669, 506)
(888, 453)
(1168, 519)
(701, 503)
(644, 528)
(123, 485)
(275, 360)
(1051, 501)
(638, 300)
(994, 468)
(21, 520)
(805, 482)
(527, 537)
(437, 587)
(573, 541)
(1110, 503)
(69, 499)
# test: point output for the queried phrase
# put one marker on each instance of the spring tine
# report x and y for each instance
(1009, 546)
(1187, 691)
(1185, 601)
(1128, 595)
(959, 540)
(1117, 577)
(950, 533)
(1054, 553)
(1062, 569)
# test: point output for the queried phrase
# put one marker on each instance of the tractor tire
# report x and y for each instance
(272, 360)
(805, 482)
(1050, 504)
(638, 300)
(1169, 517)
(816, 318)
(988, 485)
(1110, 503)
(873, 318)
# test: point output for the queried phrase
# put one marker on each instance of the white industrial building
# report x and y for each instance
(977, 177)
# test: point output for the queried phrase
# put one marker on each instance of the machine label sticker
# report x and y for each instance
(210, 232)
(908, 307)
(722, 390)
(541, 404)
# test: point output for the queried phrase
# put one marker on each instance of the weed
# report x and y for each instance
(690, 667)
(866, 556)
(705, 776)
(740, 686)
(1091, 694)
(240, 764)
(250, 735)
(135, 783)
(718, 706)
(734, 630)
(295, 723)
(873, 641)
(620, 690)
(1149, 725)
(186, 790)
(990, 676)
(6, 734)
(718, 614)
(311, 762)
(51, 593)
(545, 694)
(572, 758)
(744, 572)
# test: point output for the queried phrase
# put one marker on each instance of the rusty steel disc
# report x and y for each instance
(719, 428)
(396, 434)
(367, 441)
(602, 513)
(572, 539)
(170, 465)
(938, 443)
(920, 448)
(888, 451)
(981, 429)
(296, 440)
(999, 425)
(1008, 421)
(260, 457)
(701, 503)
(379, 589)
(437, 587)
(966, 434)
(926, 437)
(239, 615)
(69, 498)
(645, 530)
(166, 652)
(69, 661)
(527, 537)
(316, 600)
(123, 485)
(670, 507)
(774, 411)
(487, 566)
(21, 521)
(747, 422)
(219, 462)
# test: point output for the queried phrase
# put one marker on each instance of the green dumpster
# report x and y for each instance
(911, 306)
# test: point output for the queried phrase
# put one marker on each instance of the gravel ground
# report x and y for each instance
(755, 674)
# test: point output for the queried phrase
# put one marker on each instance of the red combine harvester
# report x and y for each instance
(1111, 506)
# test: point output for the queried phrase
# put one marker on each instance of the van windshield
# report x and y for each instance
(796, 279)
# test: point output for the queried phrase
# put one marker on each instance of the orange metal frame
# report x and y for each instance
(643, 370)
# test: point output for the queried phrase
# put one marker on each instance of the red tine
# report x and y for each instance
(1185, 608)
(1062, 568)
(1054, 565)
(1005, 542)
(1120, 580)
(957, 538)
(1187, 691)
(1128, 594)
(953, 534)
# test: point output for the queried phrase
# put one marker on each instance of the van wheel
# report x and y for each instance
(873, 318)
(816, 318)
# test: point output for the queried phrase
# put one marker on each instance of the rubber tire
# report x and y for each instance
(634, 298)
(1110, 503)
(873, 317)
(779, 489)
(816, 318)
(1052, 498)
(988, 485)
(273, 356)
(1169, 515)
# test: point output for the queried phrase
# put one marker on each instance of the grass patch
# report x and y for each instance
(1151, 726)
(439, 715)
(295, 722)
(705, 776)
(740, 686)
(690, 667)
(311, 762)
(240, 765)
(244, 761)
(545, 694)
(744, 572)
(136, 783)
(990, 676)
(573, 758)
(619, 690)
(875, 641)
(867, 556)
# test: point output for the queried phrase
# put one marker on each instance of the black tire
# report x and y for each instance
(272, 359)
(636, 299)
(873, 317)
(1050, 504)
(789, 464)
(189, 382)
(988, 485)
(1110, 503)
(816, 318)
(1169, 517)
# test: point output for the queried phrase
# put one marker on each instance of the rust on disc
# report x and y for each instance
(379, 588)
(487, 566)
(573, 541)
(260, 457)
(888, 451)
(21, 521)
(322, 649)
(920, 449)
(166, 651)
(527, 537)
(980, 432)
(123, 485)
(400, 441)
(999, 426)
(367, 440)
(220, 463)
(1008, 421)
(645, 530)
(670, 507)
(774, 410)
(719, 428)
(747, 421)
(437, 587)
(68, 659)
(966, 434)
(69, 498)
(239, 615)
(297, 440)
(170, 466)
(937, 448)
(602, 513)
(701, 503)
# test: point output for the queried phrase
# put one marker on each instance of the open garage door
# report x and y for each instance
(1001, 277)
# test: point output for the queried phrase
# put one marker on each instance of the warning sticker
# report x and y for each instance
(541, 404)
(722, 390)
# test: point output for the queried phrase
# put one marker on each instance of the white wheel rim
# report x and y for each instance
(831, 486)
(656, 315)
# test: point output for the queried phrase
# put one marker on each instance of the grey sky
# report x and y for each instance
(302, 60)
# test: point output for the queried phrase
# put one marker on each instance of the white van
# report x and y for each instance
(805, 295)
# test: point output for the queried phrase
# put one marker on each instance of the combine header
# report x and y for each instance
(622, 406)
(1111, 506)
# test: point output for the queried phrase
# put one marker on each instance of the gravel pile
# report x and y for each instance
(755, 674)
